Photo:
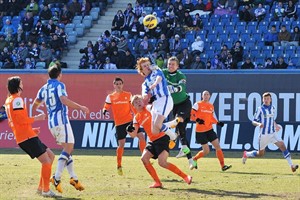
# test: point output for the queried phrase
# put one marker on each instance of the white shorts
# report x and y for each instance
(162, 106)
(63, 134)
(265, 139)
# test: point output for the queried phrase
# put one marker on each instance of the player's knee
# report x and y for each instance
(145, 160)
(162, 163)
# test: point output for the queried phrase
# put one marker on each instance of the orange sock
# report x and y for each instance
(142, 145)
(46, 174)
(176, 170)
(220, 156)
(41, 183)
(200, 154)
(120, 152)
(152, 172)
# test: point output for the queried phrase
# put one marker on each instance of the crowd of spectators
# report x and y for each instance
(32, 33)
(170, 38)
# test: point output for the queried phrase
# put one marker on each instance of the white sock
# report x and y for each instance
(172, 123)
(251, 154)
(171, 134)
(184, 146)
(70, 168)
(62, 160)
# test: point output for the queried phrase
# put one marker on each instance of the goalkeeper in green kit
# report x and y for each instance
(182, 105)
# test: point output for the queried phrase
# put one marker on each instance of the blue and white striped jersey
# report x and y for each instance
(265, 115)
(161, 89)
(50, 93)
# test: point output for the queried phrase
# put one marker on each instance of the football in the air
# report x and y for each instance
(150, 21)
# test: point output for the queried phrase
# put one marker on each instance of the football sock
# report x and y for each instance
(171, 123)
(41, 181)
(171, 134)
(199, 155)
(163, 128)
(142, 145)
(176, 170)
(70, 168)
(220, 156)
(152, 172)
(251, 154)
(120, 152)
(46, 174)
(287, 156)
(62, 160)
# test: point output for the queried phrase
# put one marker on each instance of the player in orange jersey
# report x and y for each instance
(203, 114)
(119, 102)
(157, 147)
(26, 136)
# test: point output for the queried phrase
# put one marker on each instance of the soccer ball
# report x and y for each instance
(150, 21)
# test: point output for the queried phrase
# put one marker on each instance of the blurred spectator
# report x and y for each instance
(4, 55)
(20, 35)
(8, 64)
(34, 52)
(122, 44)
(55, 18)
(224, 53)
(179, 30)
(271, 38)
(45, 54)
(188, 20)
(208, 65)
(56, 47)
(128, 10)
(27, 23)
(197, 22)
(74, 8)
(99, 45)
(14, 8)
(279, 11)
(3, 115)
(245, 14)
(14, 57)
(39, 28)
(260, 12)
(46, 13)
(50, 28)
(65, 15)
(10, 38)
(281, 64)
(3, 8)
(138, 9)
(284, 36)
(116, 58)
(197, 46)
(22, 51)
(92, 61)
(177, 3)
(112, 47)
(134, 29)
(290, 11)
(295, 37)
(231, 5)
(229, 62)
(102, 55)
(216, 63)
(198, 63)
(269, 64)
(128, 62)
(85, 8)
(209, 6)
(28, 64)
(118, 23)
(175, 46)
(8, 28)
(3, 42)
(162, 45)
(141, 18)
(144, 47)
(189, 6)
(185, 59)
(200, 5)
(237, 52)
(247, 64)
(180, 13)
(83, 64)
(129, 20)
(32, 7)
(108, 64)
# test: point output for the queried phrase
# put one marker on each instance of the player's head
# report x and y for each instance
(54, 71)
(205, 95)
(14, 85)
(143, 66)
(137, 102)
(173, 64)
(267, 98)
(118, 83)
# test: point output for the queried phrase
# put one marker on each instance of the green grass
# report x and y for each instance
(264, 178)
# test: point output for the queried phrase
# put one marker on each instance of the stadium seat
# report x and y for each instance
(290, 50)
(241, 26)
(77, 19)
(252, 26)
(87, 21)
(72, 37)
(69, 27)
(95, 11)
(79, 28)
(255, 51)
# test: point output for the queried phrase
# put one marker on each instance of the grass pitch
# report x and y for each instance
(261, 178)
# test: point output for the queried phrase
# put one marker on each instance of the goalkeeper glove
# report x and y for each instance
(220, 124)
(200, 121)
(130, 128)
(174, 89)
(152, 99)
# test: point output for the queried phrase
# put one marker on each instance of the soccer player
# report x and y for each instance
(182, 104)
(119, 102)
(155, 84)
(26, 136)
(157, 147)
(264, 119)
(203, 114)
(54, 95)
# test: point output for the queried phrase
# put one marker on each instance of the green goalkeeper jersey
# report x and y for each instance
(177, 79)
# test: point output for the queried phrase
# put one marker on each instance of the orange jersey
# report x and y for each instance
(18, 119)
(121, 107)
(143, 119)
(205, 111)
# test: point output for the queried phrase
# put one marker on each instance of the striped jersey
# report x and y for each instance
(265, 115)
(18, 119)
(161, 89)
(50, 93)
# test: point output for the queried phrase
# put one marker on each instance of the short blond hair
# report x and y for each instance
(135, 97)
(139, 63)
